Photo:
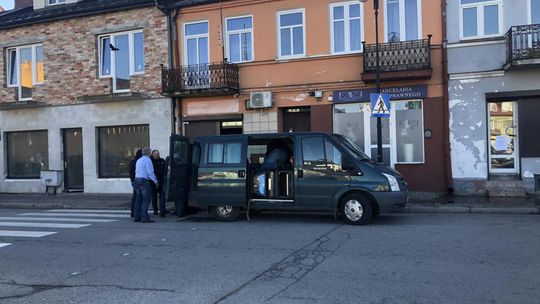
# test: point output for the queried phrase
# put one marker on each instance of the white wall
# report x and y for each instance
(155, 112)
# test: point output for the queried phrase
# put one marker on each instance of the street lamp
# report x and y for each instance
(377, 77)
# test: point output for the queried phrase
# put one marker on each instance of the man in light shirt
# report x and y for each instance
(144, 175)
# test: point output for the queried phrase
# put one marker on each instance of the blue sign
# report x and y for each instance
(396, 93)
(380, 105)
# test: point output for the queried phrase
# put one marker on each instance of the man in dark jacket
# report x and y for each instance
(160, 169)
(132, 163)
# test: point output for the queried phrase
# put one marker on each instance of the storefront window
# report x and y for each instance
(116, 147)
(402, 133)
(409, 132)
(27, 154)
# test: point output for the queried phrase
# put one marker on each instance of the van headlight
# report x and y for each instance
(393, 182)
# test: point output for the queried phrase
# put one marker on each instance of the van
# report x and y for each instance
(304, 171)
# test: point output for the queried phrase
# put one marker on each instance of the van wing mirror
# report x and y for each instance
(348, 165)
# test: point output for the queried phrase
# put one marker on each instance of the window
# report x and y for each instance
(480, 18)
(121, 55)
(27, 154)
(196, 43)
(320, 155)
(25, 69)
(240, 39)
(534, 10)
(403, 20)
(117, 146)
(291, 35)
(53, 2)
(223, 153)
(346, 27)
(402, 133)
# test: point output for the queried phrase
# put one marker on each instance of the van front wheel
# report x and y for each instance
(356, 209)
(226, 213)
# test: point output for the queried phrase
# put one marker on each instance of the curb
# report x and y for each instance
(477, 210)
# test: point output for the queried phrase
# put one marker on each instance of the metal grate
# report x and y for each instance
(398, 56)
(522, 42)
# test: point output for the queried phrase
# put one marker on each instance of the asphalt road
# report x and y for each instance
(275, 258)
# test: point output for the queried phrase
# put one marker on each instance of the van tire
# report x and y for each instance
(356, 209)
(226, 213)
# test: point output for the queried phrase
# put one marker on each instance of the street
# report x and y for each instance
(103, 257)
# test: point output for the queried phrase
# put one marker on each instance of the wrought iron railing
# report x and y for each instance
(398, 56)
(213, 78)
(522, 42)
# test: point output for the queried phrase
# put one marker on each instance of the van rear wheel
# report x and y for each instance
(226, 213)
(356, 209)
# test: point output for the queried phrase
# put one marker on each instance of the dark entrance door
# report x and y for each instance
(73, 160)
(297, 119)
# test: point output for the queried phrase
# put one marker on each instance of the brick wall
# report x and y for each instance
(70, 51)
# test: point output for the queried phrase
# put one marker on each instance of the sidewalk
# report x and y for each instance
(417, 203)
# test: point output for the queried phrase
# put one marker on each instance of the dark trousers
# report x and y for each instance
(144, 195)
(133, 199)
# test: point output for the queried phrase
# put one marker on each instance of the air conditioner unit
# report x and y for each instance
(260, 100)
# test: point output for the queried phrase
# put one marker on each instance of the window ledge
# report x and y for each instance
(114, 179)
(21, 105)
(22, 180)
(113, 97)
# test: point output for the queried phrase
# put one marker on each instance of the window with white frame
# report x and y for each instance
(54, 2)
(534, 9)
(480, 18)
(240, 39)
(346, 27)
(25, 69)
(121, 55)
(196, 44)
(402, 132)
(291, 34)
(403, 20)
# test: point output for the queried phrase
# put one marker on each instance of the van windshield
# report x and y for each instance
(350, 146)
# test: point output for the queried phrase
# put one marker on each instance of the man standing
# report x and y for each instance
(144, 176)
(132, 163)
(160, 170)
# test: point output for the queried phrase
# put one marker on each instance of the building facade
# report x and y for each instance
(255, 66)
(80, 92)
(494, 97)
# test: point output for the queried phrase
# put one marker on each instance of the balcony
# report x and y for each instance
(523, 46)
(214, 79)
(403, 60)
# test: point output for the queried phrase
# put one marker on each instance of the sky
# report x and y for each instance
(6, 4)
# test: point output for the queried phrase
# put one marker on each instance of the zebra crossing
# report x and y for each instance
(49, 222)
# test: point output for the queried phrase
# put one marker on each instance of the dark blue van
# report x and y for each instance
(282, 171)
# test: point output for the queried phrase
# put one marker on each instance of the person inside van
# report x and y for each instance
(277, 157)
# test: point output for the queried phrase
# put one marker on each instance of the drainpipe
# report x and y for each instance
(446, 104)
(171, 11)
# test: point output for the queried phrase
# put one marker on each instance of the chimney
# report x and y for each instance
(23, 3)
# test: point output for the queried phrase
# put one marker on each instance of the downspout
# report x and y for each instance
(172, 49)
(446, 104)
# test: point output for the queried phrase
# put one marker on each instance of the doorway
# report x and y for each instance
(503, 138)
(73, 160)
(297, 119)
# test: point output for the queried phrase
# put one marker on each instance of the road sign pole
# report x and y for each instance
(378, 80)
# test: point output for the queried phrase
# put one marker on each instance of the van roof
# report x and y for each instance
(260, 135)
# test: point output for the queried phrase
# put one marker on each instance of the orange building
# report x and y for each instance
(255, 66)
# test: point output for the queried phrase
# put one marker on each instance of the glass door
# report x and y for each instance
(503, 137)
(73, 159)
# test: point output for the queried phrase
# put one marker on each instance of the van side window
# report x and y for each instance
(180, 153)
(333, 157)
(220, 153)
(313, 153)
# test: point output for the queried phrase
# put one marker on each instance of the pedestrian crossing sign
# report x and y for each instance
(380, 105)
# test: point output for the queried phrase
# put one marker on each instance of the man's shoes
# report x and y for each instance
(162, 215)
(137, 220)
(167, 212)
(147, 221)
(155, 212)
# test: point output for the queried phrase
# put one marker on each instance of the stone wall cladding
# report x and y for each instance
(70, 51)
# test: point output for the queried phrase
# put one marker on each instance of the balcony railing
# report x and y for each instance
(398, 56)
(522, 43)
(200, 80)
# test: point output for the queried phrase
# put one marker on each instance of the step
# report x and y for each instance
(506, 192)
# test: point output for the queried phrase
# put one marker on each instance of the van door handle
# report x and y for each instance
(300, 173)
(241, 173)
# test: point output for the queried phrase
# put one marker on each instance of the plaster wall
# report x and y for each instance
(468, 119)
(154, 112)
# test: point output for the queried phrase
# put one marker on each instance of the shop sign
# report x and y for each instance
(396, 93)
